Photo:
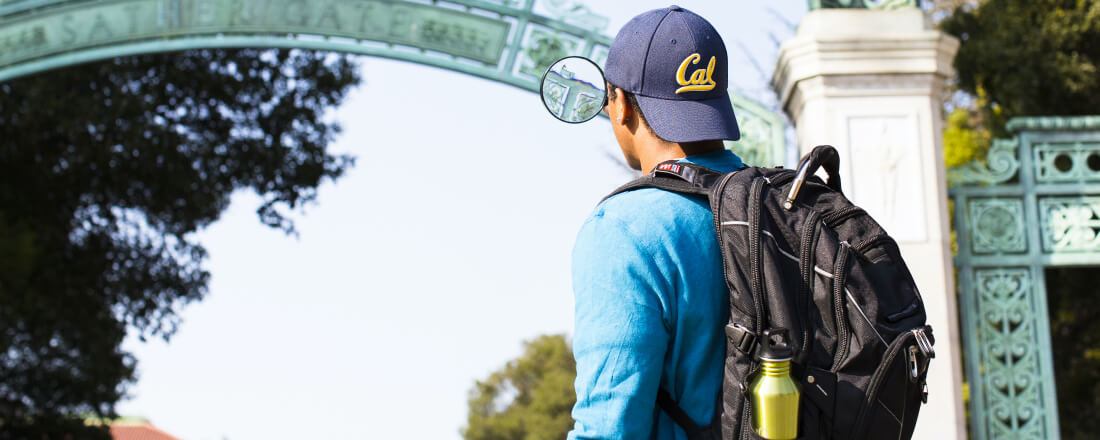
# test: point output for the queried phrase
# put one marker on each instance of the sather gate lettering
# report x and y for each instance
(508, 41)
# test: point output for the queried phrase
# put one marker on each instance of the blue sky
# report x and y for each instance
(423, 269)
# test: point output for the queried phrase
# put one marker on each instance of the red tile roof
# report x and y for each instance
(138, 430)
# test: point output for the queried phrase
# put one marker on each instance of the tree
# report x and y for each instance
(1030, 57)
(529, 399)
(106, 171)
(1075, 343)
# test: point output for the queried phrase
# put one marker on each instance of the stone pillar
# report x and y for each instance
(869, 82)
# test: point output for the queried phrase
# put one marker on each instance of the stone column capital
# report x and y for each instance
(856, 50)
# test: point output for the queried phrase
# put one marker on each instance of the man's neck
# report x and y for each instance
(656, 151)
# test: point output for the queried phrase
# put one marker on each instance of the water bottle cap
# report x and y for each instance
(775, 345)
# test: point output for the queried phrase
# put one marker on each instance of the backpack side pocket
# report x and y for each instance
(895, 392)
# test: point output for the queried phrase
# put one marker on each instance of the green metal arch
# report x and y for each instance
(507, 41)
(37, 35)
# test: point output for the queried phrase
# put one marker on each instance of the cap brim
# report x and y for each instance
(691, 121)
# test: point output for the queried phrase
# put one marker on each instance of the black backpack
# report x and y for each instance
(798, 255)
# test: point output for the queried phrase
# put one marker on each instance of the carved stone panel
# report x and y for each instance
(886, 151)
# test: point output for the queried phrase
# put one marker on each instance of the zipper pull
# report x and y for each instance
(914, 366)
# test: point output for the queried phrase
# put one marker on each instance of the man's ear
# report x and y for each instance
(621, 111)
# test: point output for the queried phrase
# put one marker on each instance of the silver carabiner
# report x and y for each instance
(924, 343)
(797, 185)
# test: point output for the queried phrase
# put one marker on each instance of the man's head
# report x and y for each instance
(668, 78)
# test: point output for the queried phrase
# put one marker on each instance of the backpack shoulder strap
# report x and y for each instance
(678, 177)
(692, 429)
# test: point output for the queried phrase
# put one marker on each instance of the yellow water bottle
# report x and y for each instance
(773, 393)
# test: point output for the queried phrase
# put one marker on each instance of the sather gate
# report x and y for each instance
(1034, 203)
(508, 41)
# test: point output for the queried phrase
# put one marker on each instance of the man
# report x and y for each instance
(651, 301)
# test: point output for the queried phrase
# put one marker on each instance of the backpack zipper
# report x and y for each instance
(806, 267)
(755, 257)
(716, 207)
(840, 276)
(863, 246)
(839, 216)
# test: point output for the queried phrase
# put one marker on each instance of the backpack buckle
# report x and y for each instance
(742, 338)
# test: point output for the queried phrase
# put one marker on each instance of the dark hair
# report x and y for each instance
(633, 102)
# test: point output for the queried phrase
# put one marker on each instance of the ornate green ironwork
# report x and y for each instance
(504, 40)
(1007, 316)
(999, 166)
(998, 226)
(1070, 224)
(762, 140)
(509, 41)
(1034, 202)
(569, 98)
(863, 4)
(1066, 162)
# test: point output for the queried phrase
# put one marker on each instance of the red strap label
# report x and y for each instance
(670, 167)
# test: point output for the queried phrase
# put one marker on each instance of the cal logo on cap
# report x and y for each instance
(701, 79)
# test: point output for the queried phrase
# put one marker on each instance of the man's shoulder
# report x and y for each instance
(648, 201)
(648, 211)
(652, 214)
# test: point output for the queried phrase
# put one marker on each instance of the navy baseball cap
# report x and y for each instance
(674, 62)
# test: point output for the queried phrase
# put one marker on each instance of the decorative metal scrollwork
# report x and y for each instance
(754, 144)
(997, 226)
(542, 47)
(1067, 162)
(1054, 123)
(1009, 344)
(1000, 165)
(762, 140)
(1070, 224)
(576, 13)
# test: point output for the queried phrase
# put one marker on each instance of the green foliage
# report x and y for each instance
(529, 399)
(1075, 337)
(962, 142)
(1032, 57)
(106, 172)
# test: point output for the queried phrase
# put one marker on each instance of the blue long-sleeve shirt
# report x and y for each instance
(651, 303)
